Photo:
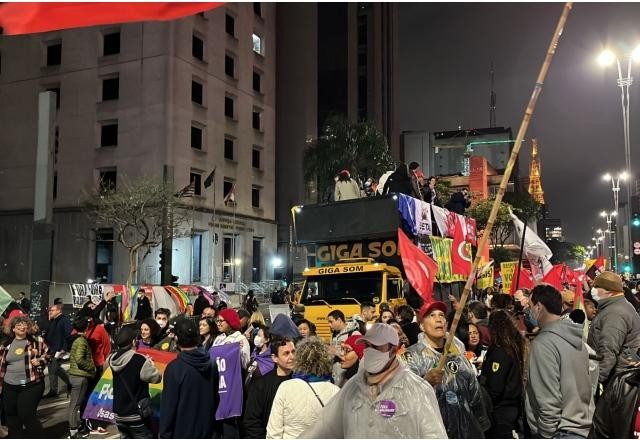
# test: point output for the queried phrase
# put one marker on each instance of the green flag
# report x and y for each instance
(5, 299)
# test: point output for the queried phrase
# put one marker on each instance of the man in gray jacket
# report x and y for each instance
(615, 331)
(558, 402)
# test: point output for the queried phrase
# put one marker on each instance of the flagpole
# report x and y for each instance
(213, 240)
(524, 232)
(235, 275)
(537, 89)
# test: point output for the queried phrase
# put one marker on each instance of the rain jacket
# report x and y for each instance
(459, 395)
(411, 410)
(615, 334)
(558, 393)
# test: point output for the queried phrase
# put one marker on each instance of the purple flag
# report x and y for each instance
(227, 357)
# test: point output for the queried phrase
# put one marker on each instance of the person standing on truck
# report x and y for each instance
(341, 331)
(346, 188)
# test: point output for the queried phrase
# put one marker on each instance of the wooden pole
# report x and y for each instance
(537, 89)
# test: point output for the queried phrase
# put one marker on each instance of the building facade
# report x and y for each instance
(172, 100)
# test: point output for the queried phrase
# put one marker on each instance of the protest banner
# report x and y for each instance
(507, 269)
(230, 388)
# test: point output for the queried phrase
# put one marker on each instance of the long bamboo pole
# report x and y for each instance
(537, 89)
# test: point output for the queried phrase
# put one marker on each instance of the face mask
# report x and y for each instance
(374, 361)
(162, 322)
(594, 294)
(532, 320)
(257, 341)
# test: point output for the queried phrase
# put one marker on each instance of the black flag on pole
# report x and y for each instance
(209, 180)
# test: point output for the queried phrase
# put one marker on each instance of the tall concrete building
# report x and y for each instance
(171, 100)
(332, 58)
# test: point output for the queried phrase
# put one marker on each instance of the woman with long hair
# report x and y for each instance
(503, 373)
(306, 328)
(149, 332)
(208, 332)
(386, 316)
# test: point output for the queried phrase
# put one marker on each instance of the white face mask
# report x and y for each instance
(594, 294)
(162, 322)
(374, 361)
(257, 341)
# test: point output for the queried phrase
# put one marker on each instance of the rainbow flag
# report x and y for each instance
(179, 296)
(100, 403)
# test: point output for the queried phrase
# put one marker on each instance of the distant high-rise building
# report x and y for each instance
(535, 176)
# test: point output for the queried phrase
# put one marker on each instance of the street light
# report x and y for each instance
(608, 216)
(615, 185)
(606, 58)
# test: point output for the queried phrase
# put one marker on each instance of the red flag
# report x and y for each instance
(471, 236)
(526, 280)
(596, 268)
(460, 255)
(420, 268)
(28, 18)
(555, 277)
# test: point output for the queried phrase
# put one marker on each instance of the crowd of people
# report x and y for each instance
(519, 366)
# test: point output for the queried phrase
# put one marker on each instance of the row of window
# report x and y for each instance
(108, 182)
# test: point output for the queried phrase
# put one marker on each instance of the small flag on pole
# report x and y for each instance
(187, 191)
(209, 180)
(230, 198)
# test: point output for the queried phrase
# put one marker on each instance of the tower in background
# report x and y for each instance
(535, 184)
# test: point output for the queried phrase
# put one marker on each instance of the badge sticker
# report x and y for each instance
(19, 351)
(495, 366)
(165, 346)
(387, 408)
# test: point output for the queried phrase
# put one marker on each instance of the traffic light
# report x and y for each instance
(636, 220)
(161, 261)
(627, 268)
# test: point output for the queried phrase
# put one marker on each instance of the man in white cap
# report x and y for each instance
(383, 400)
(615, 331)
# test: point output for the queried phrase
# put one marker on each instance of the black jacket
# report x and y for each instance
(57, 334)
(189, 396)
(458, 203)
(199, 305)
(144, 309)
(616, 410)
(502, 379)
(411, 329)
(259, 403)
(399, 182)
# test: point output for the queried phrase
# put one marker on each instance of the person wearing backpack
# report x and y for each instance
(81, 369)
(132, 374)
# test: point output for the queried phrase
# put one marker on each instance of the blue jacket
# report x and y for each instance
(57, 333)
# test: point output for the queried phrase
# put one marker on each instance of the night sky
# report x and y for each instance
(445, 52)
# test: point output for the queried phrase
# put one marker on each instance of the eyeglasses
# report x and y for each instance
(220, 321)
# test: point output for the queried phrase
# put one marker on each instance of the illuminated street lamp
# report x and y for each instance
(608, 216)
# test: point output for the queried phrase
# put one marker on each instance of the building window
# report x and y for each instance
(109, 134)
(229, 66)
(227, 186)
(227, 258)
(197, 48)
(55, 90)
(228, 148)
(54, 54)
(257, 44)
(196, 92)
(196, 137)
(108, 179)
(228, 107)
(255, 119)
(104, 255)
(56, 145)
(111, 44)
(256, 81)
(257, 9)
(255, 158)
(195, 177)
(110, 89)
(255, 196)
(257, 260)
(55, 185)
(230, 25)
(196, 257)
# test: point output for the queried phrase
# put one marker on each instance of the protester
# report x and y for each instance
(429, 192)
(341, 331)
(352, 353)
(190, 388)
(457, 389)
(366, 316)
(208, 332)
(503, 374)
(132, 374)
(384, 400)
(143, 310)
(228, 323)
(306, 328)
(414, 172)
(245, 317)
(149, 333)
(615, 331)
(58, 331)
(263, 391)
(567, 301)
(200, 304)
(558, 399)
(256, 320)
(459, 201)
(386, 316)
(23, 359)
(284, 327)
(399, 182)
(346, 188)
(250, 303)
(409, 327)
(169, 342)
(299, 401)
(261, 362)
(112, 314)
(81, 370)
(590, 309)
(403, 341)
(209, 312)
(617, 413)
(162, 316)
(478, 314)
(23, 302)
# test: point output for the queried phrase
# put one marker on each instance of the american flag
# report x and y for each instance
(187, 191)
(230, 198)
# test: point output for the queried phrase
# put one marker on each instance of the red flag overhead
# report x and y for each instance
(460, 250)
(596, 268)
(420, 268)
(29, 18)
(555, 277)
(525, 281)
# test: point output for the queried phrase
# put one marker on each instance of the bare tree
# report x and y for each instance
(142, 213)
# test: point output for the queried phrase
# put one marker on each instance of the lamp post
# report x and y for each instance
(608, 216)
(598, 240)
(606, 58)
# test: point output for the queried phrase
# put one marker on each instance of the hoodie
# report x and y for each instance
(189, 396)
(283, 326)
(132, 374)
(558, 395)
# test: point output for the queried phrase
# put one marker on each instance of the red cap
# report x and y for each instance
(352, 341)
(232, 318)
(439, 305)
